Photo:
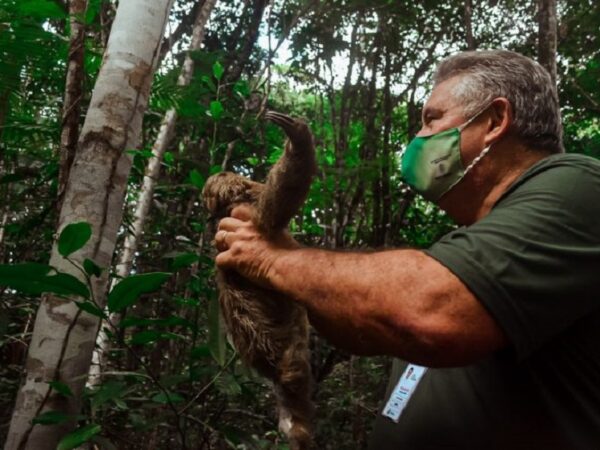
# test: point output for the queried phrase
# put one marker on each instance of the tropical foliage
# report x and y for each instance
(357, 70)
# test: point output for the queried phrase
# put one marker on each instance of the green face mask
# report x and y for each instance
(431, 165)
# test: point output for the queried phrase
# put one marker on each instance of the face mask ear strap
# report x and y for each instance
(464, 125)
(477, 159)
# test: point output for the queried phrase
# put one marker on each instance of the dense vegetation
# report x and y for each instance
(357, 70)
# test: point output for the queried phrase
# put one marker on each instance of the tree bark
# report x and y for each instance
(547, 36)
(4, 96)
(381, 191)
(63, 336)
(184, 27)
(386, 192)
(346, 109)
(234, 71)
(151, 175)
(468, 15)
(73, 94)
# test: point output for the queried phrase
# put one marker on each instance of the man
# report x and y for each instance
(505, 310)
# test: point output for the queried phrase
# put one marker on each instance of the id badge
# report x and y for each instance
(403, 391)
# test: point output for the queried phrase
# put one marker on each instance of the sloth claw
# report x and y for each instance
(294, 128)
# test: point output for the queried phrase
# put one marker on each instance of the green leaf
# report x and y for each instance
(65, 284)
(93, 8)
(91, 308)
(33, 278)
(241, 88)
(51, 418)
(218, 70)
(200, 352)
(275, 155)
(184, 260)
(216, 110)
(198, 227)
(189, 107)
(13, 177)
(145, 337)
(41, 9)
(91, 268)
(121, 404)
(228, 385)
(171, 397)
(129, 289)
(169, 158)
(197, 179)
(111, 390)
(61, 388)
(209, 82)
(216, 332)
(79, 436)
(73, 237)
(23, 277)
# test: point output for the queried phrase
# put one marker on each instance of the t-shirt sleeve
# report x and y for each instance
(534, 260)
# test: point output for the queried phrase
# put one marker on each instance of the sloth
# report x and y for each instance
(269, 330)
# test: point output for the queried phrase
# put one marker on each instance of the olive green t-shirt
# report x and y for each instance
(534, 263)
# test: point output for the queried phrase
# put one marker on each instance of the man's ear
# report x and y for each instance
(501, 118)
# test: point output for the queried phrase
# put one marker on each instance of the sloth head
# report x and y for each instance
(225, 190)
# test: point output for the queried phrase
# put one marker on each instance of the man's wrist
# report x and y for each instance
(276, 277)
(284, 268)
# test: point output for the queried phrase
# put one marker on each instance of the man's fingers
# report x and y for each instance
(242, 212)
(222, 260)
(224, 239)
(230, 224)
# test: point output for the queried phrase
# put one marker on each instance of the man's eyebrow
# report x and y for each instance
(430, 110)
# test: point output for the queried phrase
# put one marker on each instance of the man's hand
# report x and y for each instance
(244, 249)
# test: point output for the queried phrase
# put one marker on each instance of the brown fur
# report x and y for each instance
(269, 330)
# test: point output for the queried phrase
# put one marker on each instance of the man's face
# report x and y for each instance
(443, 111)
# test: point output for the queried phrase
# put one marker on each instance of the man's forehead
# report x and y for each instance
(442, 96)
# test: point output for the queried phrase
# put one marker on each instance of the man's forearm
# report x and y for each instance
(367, 303)
(399, 302)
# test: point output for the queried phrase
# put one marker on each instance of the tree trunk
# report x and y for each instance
(184, 27)
(63, 337)
(347, 98)
(468, 15)
(243, 54)
(144, 202)
(368, 154)
(73, 94)
(547, 36)
(4, 96)
(386, 192)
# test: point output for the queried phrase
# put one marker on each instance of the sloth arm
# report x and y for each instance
(400, 302)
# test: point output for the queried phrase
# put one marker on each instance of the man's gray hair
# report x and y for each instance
(489, 74)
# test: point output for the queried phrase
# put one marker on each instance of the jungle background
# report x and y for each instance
(163, 374)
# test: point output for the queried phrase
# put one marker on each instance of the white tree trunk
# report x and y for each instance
(150, 177)
(63, 338)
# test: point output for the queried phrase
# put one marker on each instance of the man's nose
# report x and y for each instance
(423, 131)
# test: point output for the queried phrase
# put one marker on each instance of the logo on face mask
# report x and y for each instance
(432, 165)
(442, 168)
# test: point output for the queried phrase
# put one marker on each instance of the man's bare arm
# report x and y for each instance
(401, 302)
